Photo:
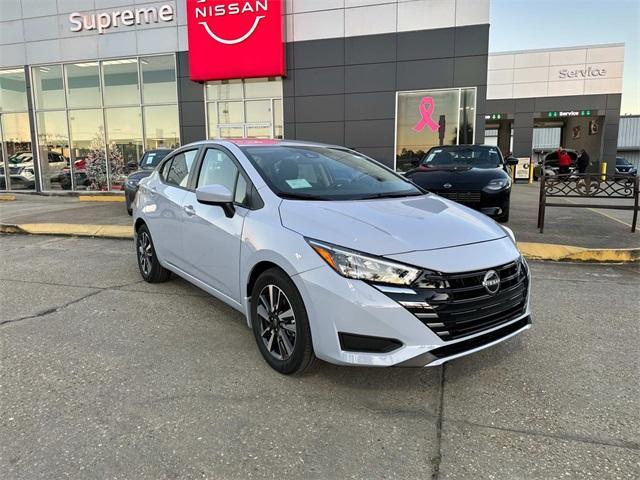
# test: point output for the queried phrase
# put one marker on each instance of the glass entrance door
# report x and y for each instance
(18, 172)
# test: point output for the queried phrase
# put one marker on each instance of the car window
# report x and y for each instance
(218, 169)
(151, 159)
(242, 188)
(463, 156)
(178, 173)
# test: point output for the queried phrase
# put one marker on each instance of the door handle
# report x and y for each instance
(189, 210)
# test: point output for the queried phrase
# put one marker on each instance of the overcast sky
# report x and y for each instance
(529, 24)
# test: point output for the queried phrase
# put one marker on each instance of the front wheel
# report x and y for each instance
(280, 323)
(504, 214)
(150, 268)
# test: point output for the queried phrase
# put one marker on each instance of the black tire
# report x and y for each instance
(276, 329)
(148, 264)
(504, 216)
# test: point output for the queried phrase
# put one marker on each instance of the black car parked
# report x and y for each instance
(625, 167)
(474, 175)
(148, 162)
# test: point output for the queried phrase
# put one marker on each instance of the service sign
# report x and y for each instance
(235, 39)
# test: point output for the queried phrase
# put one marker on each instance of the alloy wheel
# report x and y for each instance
(145, 253)
(277, 322)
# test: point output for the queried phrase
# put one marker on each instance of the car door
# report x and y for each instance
(168, 192)
(211, 240)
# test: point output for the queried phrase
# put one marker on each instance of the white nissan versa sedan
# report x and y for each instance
(329, 254)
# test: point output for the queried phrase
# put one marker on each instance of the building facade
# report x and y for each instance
(86, 86)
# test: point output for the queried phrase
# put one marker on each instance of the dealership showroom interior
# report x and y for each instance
(219, 217)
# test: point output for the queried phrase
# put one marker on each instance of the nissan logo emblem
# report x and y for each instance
(447, 185)
(491, 282)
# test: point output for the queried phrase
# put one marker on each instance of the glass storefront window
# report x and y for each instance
(48, 87)
(230, 112)
(124, 142)
(159, 79)
(258, 111)
(161, 127)
(88, 154)
(262, 88)
(224, 90)
(17, 148)
(121, 85)
(249, 108)
(13, 90)
(53, 149)
(112, 113)
(83, 85)
(428, 118)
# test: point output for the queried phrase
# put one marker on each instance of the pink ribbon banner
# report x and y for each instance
(426, 107)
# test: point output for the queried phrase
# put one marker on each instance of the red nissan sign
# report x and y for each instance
(235, 39)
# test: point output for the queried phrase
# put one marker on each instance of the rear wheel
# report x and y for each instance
(280, 323)
(150, 268)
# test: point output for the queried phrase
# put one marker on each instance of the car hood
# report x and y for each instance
(390, 226)
(139, 175)
(435, 179)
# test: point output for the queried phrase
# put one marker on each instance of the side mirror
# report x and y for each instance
(512, 161)
(217, 195)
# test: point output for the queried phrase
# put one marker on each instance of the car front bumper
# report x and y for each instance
(337, 305)
(489, 203)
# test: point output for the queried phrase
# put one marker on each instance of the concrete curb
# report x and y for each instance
(101, 198)
(69, 229)
(531, 251)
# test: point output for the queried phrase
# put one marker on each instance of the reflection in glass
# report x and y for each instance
(13, 90)
(159, 79)
(263, 87)
(124, 142)
(121, 86)
(161, 127)
(467, 116)
(278, 119)
(224, 90)
(231, 132)
(49, 87)
(258, 111)
(53, 150)
(414, 136)
(255, 131)
(83, 85)
(17, 144)
(230, 112)
(88, 152)
(212, 120)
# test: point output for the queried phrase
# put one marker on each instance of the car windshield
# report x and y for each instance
(325, 173)
(622, 162)
(151, 159)
(462, 157)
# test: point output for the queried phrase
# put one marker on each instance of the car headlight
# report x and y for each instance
(358, 266)
(133, 183)
(498, 184)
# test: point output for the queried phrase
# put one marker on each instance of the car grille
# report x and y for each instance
(458, 305)
(14, 170)
(462, 197)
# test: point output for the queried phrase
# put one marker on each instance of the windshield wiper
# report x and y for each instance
(391, 195)
(300, 196)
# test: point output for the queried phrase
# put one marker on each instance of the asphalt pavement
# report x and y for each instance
(105, 376)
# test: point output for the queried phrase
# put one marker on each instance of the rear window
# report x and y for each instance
(151, 159)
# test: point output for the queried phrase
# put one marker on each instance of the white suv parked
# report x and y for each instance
(329, 254)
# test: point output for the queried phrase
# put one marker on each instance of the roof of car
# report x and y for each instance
(251, 142)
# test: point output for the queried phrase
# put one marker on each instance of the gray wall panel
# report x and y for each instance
(472, 40)
(374, 77)
(319, 81)
(468, 71)
(319, 53)
(418, 74)
(370, 133)
(327, 132)
(427, 44)
(324, 108)
(368, 106)
(370, 49)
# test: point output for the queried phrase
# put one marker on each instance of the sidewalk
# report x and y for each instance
(571, 234)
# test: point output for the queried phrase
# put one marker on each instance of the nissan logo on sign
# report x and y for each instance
(235, 39)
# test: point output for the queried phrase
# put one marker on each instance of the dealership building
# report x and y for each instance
(83, 93)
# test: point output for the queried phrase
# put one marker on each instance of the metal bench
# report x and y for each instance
(588, 185)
